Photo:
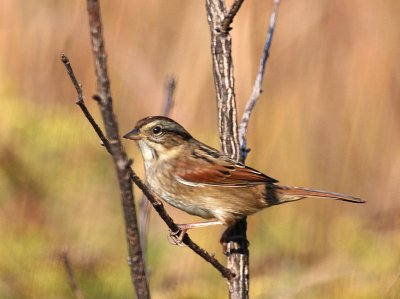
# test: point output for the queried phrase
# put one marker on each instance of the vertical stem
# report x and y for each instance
(234, 239)
(221, 48)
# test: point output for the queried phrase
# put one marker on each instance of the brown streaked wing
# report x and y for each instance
(209, 171)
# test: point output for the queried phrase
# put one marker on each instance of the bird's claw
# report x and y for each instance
(176, 238)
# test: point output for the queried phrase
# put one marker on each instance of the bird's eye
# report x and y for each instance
(157, 130)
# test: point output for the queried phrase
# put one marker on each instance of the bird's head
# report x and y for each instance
(158, 135)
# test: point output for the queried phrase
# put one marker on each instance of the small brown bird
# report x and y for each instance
(205, 182)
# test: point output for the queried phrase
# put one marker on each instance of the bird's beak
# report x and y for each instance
(134, 135)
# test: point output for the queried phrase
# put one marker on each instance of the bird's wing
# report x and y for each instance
(209, 167)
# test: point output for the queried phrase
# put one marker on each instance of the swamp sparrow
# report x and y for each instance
(205, 182)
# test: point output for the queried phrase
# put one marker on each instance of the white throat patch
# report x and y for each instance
(147, 153)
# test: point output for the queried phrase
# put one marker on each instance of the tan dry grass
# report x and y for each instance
(328, 118)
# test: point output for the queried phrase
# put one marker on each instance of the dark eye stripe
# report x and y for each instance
(184, 135)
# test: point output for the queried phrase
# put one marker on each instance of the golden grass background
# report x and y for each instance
(329, 118)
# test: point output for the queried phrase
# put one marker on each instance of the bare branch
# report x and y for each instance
(257, 84)
(227, 21)
(234, 240)
(78, 87)
(81, 103)
(120, 159)
(159, 207)
(169, 96)
(144, 219)
(221, 48)
(70, 274)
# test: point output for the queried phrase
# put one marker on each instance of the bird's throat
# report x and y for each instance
(149, 154)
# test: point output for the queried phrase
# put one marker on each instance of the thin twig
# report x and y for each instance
(145, 206)
(81, 103)
(70, 274)
(159, 207)
(169, 102)
(257, 84)
(144, 220)
(227, 21)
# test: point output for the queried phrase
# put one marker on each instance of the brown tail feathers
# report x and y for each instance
(285, 194)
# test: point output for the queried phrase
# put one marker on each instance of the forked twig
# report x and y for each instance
(227, 21)
(257, 84)
(158, 206)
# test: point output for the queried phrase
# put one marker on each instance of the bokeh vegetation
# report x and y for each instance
(329, 118)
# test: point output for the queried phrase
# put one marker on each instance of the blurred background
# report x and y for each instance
(329, 118)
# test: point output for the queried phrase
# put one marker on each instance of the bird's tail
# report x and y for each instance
(285, 194)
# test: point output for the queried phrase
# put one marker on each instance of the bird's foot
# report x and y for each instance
(176, 237)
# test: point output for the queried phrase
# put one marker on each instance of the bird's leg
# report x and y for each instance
(177, 237)
(187, 226)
